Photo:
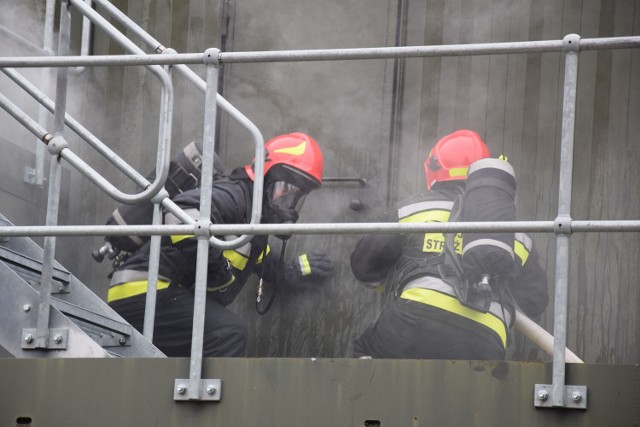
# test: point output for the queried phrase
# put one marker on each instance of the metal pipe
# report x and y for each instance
(34, 127)
(235, 114)
(164, 144)
(318, 228)
(62, 73)
(572, 47)
(131, 25)
(152, 279)
(80, 130)
(84, 41)
(321, 54)
(53, 199)
(202, 258)
(49, 252)
(45, 78)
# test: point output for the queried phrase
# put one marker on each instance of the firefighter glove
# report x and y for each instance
(310, 267)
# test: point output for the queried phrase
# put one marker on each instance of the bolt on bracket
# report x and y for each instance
(58, 339)
(210, 390)
(575, 396)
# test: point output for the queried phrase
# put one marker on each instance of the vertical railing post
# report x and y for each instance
(56, 145)
(558, 395)
(154, 245)
(45, 77)
(197, 388)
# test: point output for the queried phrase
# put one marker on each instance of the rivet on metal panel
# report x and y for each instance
(543, 395)
(181, 389)
(26, 307)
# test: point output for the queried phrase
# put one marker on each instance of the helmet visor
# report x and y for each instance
(286, 196)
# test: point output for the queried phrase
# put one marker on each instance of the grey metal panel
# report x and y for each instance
(305, 392)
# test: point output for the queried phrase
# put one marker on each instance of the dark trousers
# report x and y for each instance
(412, 330)
(225, 334)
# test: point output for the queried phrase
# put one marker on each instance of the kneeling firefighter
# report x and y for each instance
(184, 174)
(452, 297)
(293, 168)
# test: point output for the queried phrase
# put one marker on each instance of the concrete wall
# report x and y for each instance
(375, 120)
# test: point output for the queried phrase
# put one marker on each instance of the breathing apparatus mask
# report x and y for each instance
(286, 189)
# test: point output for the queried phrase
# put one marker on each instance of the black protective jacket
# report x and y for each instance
(398, 259)
(228, 270)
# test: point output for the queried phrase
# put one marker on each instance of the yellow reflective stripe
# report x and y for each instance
(428, 216)
(298, 150)
(451, 304)
(521, 251)
(305, 267)
(237, 260)
(458, 171)
(130, 289)
(179, 237)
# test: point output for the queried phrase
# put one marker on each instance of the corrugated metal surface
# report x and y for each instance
(304, 392)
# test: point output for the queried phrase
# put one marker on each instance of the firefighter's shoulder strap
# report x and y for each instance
(450, 266)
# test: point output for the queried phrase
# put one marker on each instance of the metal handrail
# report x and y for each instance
(234, 113)
(562, 226)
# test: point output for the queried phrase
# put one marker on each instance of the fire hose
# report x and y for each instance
(538, 335)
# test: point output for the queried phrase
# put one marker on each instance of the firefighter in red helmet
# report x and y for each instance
(292, 169)
(452, 296)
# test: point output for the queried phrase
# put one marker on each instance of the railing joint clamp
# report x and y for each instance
(562, 224)
(212, 56)
(571, 43)
(201, 229)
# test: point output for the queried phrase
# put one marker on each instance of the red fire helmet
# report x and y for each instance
(293, 154)
(451, 157)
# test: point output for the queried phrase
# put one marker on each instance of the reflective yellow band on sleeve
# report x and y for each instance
(305, 267)
(237, 259)
(451, 304)
(521, 251)
(130, 289)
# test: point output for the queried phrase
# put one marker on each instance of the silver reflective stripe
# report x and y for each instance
(493, 164)
(430, 282)
(525, 240)
(125, 276)
(437, 284)
(243, 250)
(488, 242)
(171, 219)
(116, 215)
(408, 210)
